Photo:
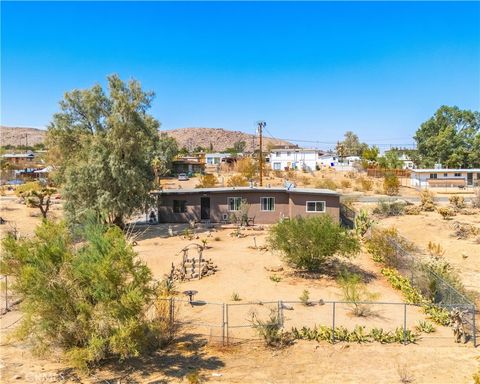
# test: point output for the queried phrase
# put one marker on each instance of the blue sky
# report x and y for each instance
(311, 70)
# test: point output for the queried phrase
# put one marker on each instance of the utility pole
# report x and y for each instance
(261, 125)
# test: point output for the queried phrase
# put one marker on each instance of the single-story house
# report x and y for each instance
(445, 177)
(188, 164)
(19, 158)
(328, 160)
(267, 205)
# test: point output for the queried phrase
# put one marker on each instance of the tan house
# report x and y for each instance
(267, 205)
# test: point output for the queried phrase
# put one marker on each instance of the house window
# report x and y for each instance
(289, 153)
(457, 174)
(267, 204)
(445, 175)
(179, 206)
(277, 166)
(316, 206)
(433, 175)
(277, 154)
(234, 203)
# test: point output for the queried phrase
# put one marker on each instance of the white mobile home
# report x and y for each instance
(446, 178)
(294, 158)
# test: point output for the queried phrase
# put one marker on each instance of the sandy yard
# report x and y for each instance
(435, 359)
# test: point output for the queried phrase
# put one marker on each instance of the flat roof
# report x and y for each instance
(443, 170)
(246, 189)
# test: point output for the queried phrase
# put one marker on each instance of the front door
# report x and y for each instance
(205, 208)
(470, 178)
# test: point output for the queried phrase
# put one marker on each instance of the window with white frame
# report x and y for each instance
(433, 175)
(277, 166)
(234, 203)
(457, 174)
(267, 204)
(316, 206)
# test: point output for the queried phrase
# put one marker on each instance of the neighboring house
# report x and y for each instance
(447, 178)
(350, 160)
(407, 162)
(19, 158)
(215, 158)
(267, 205)
(285, 158)
(188, 164)
(328, 160)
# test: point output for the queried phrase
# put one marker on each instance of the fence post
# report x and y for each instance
(223, 324)
(405, 324)
(333, 323)
(6, 293)
(170, 311)
(474, 332)
(226, 324)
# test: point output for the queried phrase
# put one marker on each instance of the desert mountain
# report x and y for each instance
(21, 136)
(218, 138)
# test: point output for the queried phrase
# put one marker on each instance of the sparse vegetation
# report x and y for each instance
(307, 243)
(325, 184)
(237, 181)
(446, 212)
(388, 247)
(391, 184)
(435, 250)
(305, 297)
(389, 208)
(457, 202)
(207, 181)
(427, 201)
(364, 184)
(412, 210)
(270, 330)
(345, 183)
(354, 290)
(236, 297)
(247, 167)
(275, 278)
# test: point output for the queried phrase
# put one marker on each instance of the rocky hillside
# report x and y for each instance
(21, 136)
(218, 138)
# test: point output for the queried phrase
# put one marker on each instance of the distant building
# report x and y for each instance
(407, 162)
(293, 157)
(445, 177)
(189, 164)
(266, 205)
(328, 160)
(19, 158)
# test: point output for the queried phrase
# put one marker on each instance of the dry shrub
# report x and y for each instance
(237, 181)
(458, 202)
(345, 184)
(305, 180)
(391, 185)
(290, 174)
(476, 198)
(389, 208)
(364, 183)
(326, 184)
(247, 167)
(278, 173)
(427, 201)
(207, 181)
(464, 230)
(412, 210)
(388, 247)
(446, 212)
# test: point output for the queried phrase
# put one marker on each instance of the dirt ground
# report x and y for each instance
(243, 270)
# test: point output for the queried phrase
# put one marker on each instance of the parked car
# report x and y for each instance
(182, 177)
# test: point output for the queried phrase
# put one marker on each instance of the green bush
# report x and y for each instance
(363, 222)
(391, 185)
(87, 296)
(307, 243)
(270, 330)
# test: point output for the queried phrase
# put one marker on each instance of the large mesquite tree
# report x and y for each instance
(105, 146)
